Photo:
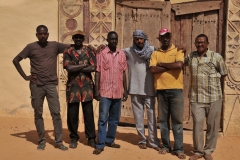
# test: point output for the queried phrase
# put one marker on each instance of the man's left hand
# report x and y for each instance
(181, 48)
(125, 96)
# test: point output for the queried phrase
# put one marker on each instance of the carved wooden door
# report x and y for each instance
(147, 16)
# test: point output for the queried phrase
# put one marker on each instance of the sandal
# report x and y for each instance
(194, 157)
(142, 146)
(181, 155)
(163, 151)
(208, 157)
(157, 148)
(61, 147)
(113, 145)
(41, 147)
(97, 151)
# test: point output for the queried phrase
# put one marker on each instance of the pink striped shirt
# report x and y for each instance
(111, 67)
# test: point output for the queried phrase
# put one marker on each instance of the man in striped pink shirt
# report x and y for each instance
(110, 87)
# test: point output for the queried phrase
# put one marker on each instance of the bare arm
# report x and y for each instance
(97, 82)
(222, 77)
(157, 69)
(16, 63)
(80, 67)
(125, 94)
(75, 68)
(89, 69)
(174, 65)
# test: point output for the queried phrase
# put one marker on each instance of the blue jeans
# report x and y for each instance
(109, 112)
(170, 103)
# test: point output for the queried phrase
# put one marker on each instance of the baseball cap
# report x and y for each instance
(164, 31)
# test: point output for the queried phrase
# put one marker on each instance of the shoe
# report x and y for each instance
(92, 143)
(73, 144)
(208, 157)
(142, 145)
(61, 147)
(194, 157)
(113, 145)
(41, 146)
(97, 151)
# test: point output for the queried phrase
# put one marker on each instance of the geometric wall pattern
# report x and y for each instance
(102, 18)
(232, 83)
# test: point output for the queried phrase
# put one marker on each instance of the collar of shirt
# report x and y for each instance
(106, 50)
(208, 54)
(169, 49)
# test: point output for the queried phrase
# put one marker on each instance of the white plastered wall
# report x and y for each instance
(18, 22)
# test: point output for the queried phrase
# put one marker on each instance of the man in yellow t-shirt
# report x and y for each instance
(166, 65)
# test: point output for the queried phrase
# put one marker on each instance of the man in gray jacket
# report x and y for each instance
(141, 88)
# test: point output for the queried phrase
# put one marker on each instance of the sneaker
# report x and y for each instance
(41, 146)
(92, 143)
(61, 147)
(73, 144)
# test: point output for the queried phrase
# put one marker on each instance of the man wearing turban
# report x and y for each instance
(141, 88)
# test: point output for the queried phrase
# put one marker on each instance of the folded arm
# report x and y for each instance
(174, 65)
(80, 67)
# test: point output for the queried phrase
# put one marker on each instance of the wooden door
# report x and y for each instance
(189, 20)
(147, 16)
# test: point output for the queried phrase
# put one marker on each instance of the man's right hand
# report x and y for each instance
(31, 78)
(91, 47)
(101, 47)
(97, 95)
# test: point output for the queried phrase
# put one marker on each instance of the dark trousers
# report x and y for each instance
(171, 103)
(38, 93)
(73, 120)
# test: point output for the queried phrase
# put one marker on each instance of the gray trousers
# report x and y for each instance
(212, 111)
(138, 102)
(38, 93)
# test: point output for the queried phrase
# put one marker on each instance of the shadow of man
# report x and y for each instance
(32, 136)
(133, 138)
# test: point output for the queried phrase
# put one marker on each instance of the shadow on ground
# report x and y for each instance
(131, 138)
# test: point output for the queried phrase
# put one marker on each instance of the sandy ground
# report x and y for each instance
(18, 140)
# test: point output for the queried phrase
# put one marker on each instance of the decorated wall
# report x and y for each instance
(232, 84)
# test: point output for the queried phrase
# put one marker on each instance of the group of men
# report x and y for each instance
(151, 73)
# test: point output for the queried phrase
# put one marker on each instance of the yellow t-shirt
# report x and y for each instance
(171, 79)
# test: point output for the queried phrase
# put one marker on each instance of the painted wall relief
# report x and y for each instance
(70, 19)
(232, 87)
(102, 19)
